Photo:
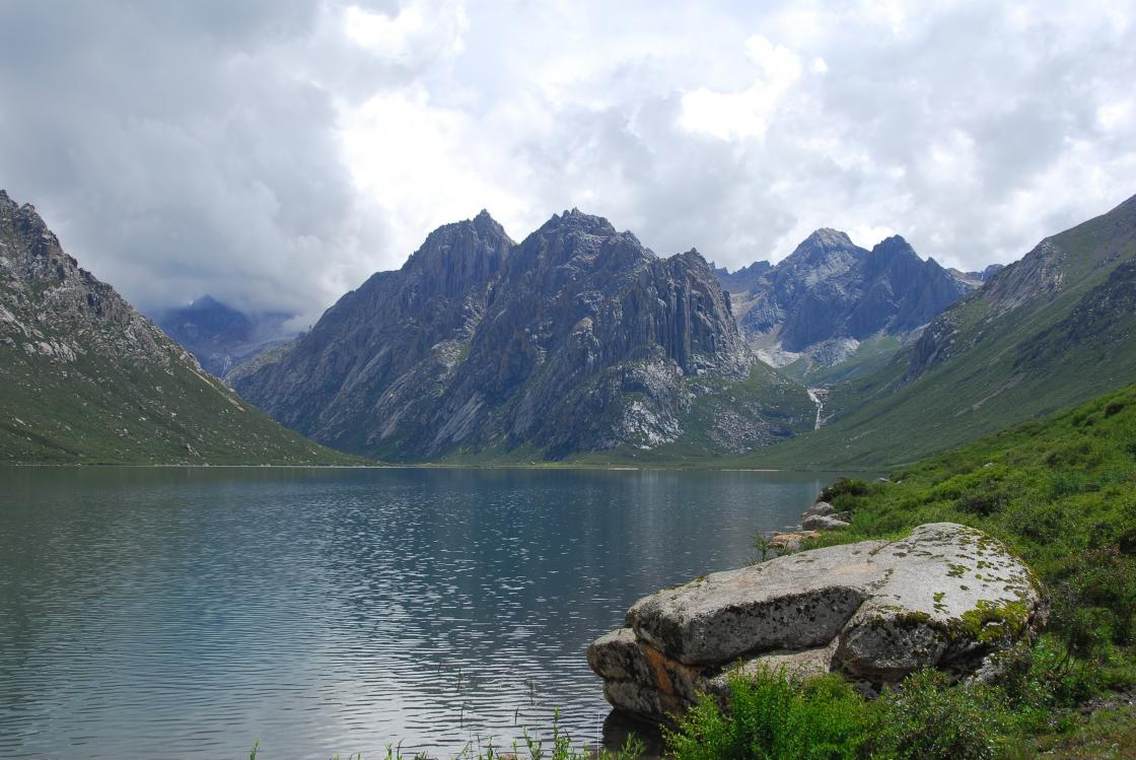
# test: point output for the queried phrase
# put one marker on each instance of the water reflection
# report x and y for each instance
(189, 612)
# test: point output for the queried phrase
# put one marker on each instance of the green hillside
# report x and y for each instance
(85, 378)
(99, 412)
(1050, 331)
(1062, 494)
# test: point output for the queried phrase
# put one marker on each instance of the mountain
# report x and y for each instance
(86, 378)
(221, 337)
(830, 296)
(975, 279)
(1049, 331)
(743, 279)
(578, 339)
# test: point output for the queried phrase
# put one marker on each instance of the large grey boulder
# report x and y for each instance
(946, 596)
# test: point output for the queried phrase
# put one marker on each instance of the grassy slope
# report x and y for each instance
(872, 354)
(1059, 492)
(1016, 365)
(1062, 494)
(94, 412)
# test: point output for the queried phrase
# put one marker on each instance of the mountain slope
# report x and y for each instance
(1051, 330)
(86, 378)
(578, 339)
(818, 305)
(375, 363)
(221, 337)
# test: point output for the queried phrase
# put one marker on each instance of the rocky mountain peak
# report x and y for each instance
(827, 237)
(822, 244)
(894, 247)
(460, 255)
(582, 339)
(487, 226)
(829, 289)
(575, 220)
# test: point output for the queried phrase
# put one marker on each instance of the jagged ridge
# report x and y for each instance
(577, 339)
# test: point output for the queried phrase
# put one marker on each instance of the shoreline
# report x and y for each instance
(433, 466)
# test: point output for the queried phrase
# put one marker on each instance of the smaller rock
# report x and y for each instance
(800, 665)
(821, 509)
(823, 522)
(790, 541)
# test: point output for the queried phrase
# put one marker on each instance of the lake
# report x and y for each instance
(190, 612)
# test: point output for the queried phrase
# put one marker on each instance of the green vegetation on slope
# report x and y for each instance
(93, 411)
(1061, 493)
(1053, 330)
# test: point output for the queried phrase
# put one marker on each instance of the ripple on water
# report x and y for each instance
(189, 613)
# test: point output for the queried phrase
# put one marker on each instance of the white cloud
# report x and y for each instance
(745, 113)
(418, 30)
(275, 152)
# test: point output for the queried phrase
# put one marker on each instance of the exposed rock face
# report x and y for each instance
(374, 365)
(947, 596)
(577, 339)
(743, 279)
(829, 294)
(53, 308)
(87, 378)
(221, 337)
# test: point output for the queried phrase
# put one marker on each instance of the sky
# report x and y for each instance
(275, 153)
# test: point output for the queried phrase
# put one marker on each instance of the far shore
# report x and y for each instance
(689, 467)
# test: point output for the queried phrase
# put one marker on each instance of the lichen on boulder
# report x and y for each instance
(946, 596)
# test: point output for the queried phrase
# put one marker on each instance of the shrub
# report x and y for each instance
(771, 716)
(927, 718)
(1046, 675)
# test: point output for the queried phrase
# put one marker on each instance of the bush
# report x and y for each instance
(772, 717)
(845, 487)
(927, 718)
(1046, 676)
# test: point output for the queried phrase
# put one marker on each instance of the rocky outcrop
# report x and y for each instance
(577, 339)
(947, 596)
(743, 279)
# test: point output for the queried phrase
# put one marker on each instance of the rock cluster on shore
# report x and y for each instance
(947, 596)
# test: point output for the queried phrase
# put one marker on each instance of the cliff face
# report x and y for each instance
(376, 362)
(578, 339)
(830, 290)
(51, 308)
(85, 377)
(589, 340)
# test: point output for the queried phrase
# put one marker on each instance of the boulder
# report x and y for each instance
(946, 596)
(823, 522)
(821, 508)
(790, 541)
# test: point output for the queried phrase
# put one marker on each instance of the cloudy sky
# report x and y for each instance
(274, 152)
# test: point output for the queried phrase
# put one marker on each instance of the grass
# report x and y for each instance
(99, 411)
(559, 746)
(1061, 494)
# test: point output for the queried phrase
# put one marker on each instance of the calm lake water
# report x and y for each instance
(187, 613)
